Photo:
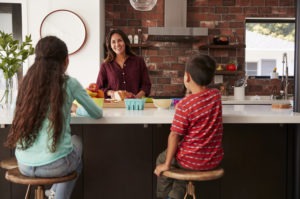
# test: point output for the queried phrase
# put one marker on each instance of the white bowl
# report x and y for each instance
(162, 103)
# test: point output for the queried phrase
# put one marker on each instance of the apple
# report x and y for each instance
(100, 94)
(93, 87)
(231, 67)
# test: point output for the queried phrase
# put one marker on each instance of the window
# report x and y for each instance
(251, 68)
(266, 42)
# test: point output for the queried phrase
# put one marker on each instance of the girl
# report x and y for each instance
(40, 130)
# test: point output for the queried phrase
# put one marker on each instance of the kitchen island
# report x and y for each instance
(120, 151)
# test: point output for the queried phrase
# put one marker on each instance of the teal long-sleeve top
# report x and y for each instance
(39, 154)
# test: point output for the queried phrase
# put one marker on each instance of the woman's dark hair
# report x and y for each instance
(41, 94)
(111, 55)
(201, 68)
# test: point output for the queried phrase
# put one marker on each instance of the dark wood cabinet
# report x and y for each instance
(119, 159)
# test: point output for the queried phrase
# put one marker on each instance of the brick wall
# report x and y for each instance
(166, 60)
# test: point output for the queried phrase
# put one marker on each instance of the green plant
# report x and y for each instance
(13, 53)
(12, 56)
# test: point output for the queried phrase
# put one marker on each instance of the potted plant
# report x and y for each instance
(12, 55)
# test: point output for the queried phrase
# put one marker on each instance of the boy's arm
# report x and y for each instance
(173, 140)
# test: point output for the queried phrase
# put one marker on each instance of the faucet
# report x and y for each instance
(284, 80)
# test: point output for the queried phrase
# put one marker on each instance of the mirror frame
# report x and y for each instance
(82, 37)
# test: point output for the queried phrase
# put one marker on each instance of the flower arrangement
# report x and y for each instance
(12, 55)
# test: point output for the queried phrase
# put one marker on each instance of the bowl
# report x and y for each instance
(134, 104)
(98, 101)
(162, 103)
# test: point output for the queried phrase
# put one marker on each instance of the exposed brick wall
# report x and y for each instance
(166, 60)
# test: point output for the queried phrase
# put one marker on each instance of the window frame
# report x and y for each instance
(269, 20)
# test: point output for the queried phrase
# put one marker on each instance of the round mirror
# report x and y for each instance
(67, 26)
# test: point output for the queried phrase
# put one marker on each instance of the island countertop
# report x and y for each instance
(232, 114)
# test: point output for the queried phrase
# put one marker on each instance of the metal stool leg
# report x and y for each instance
(39, 192)
(27, 196)
(190, 190)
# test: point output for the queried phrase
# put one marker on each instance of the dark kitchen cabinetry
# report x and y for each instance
(119, 159)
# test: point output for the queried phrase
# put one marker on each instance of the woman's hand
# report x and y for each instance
(110, 93)
(140, 94)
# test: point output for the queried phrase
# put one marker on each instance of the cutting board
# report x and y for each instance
(282, 106)
(122, 105)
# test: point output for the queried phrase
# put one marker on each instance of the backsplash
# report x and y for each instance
(166, 60)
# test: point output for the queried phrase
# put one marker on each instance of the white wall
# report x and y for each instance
(256, 55)
(84, 65)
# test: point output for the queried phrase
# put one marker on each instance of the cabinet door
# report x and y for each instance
(78, 190)
(4, 154)
(255, 161)
(117, 161)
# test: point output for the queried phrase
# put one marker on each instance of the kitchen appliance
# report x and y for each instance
(175, 24)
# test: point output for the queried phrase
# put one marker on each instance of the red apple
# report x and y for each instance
(231, 67)
(93, 87)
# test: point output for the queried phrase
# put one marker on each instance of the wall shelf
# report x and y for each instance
(143, 45)
(224, 72)
(140, 47)
(229, 46)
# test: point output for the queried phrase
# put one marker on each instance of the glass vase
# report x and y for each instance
(9, 93)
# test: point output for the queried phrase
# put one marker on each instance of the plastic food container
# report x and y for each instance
(134, 104)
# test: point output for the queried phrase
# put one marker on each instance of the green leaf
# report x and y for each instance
(13, 53)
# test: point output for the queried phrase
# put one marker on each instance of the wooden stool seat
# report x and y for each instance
(15, 176)
(190, 176)
(181, 174)
(10, 163)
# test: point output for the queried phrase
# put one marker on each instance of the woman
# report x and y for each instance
(40, 130)
(122, 69)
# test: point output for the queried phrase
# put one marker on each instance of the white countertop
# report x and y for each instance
(231, 114)
(254, 100)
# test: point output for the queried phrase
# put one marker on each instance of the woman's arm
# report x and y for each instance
(146, 83)
(102, 80)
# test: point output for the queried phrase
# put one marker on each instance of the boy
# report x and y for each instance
(195, 141)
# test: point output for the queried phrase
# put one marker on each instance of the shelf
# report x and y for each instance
(144, 45)
(224, 72)
(229, 46)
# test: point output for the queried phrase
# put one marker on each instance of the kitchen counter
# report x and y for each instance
(232, 114)
(260, 100)
(124, 145)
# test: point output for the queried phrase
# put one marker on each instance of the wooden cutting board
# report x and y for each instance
(282, 106)
(122, 105)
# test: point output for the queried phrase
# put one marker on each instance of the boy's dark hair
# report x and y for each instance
(201, 68)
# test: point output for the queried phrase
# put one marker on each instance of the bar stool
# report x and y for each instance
(13, 175)
(10, 163)
(190, 176)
